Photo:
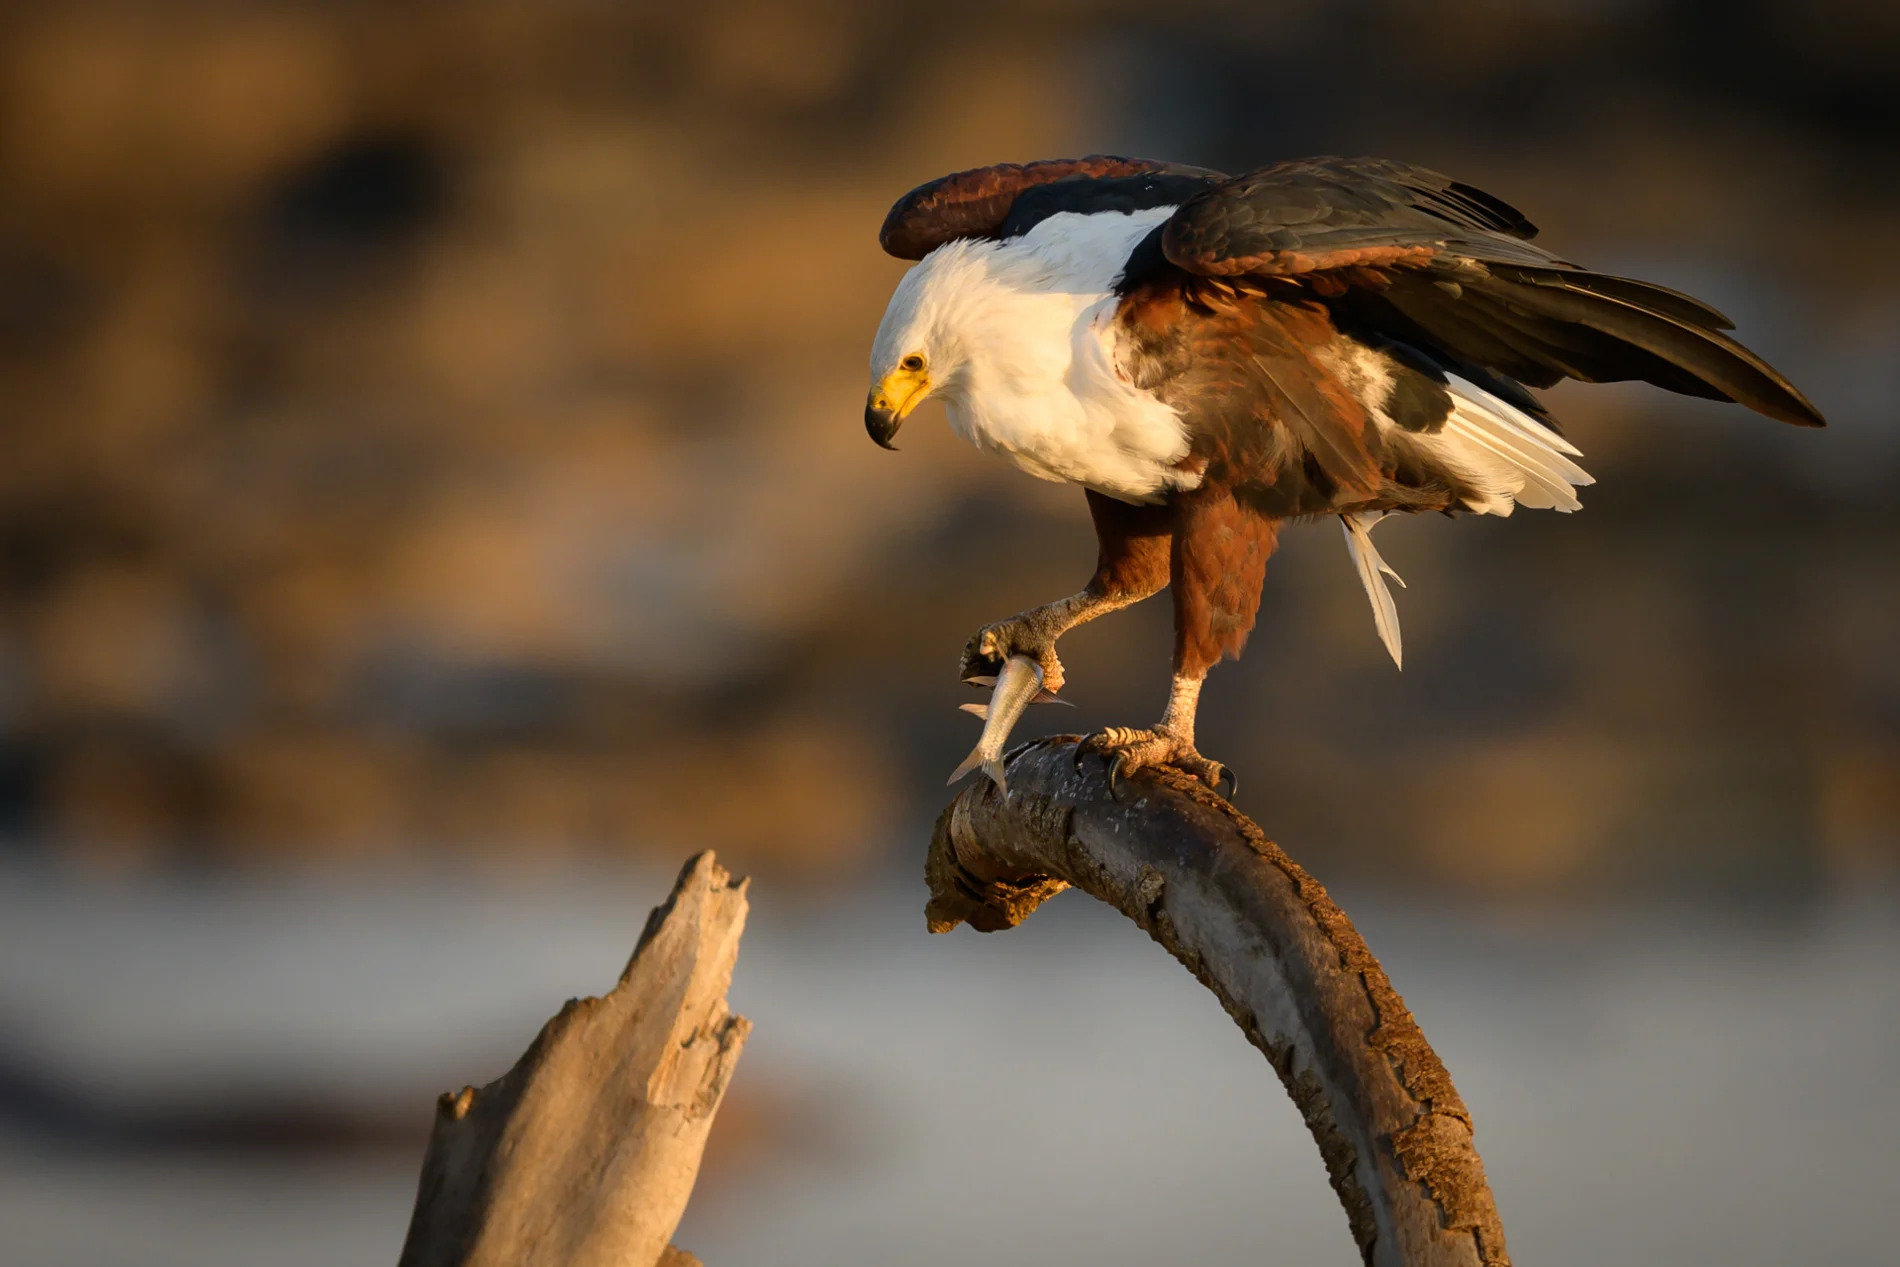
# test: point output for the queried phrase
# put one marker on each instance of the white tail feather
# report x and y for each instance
(1525, 450)
(1509, 456)
(1372, 573)
(1505, 457)
(1510, 413)
(1538, 478)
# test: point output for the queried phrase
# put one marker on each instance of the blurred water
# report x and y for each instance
(1649, 1086)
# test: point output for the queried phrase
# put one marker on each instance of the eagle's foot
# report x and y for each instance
(992, 645)
(1130, 751)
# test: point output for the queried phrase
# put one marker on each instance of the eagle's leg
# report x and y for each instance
(1171, 742)
(1133, 564)
(1218, 562)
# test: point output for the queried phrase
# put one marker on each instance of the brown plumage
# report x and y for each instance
(1344, 337)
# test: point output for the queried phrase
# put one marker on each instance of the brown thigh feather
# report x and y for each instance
(1133, 541)
(1219, 561)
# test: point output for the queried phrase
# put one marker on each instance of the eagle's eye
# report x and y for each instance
(911, 363)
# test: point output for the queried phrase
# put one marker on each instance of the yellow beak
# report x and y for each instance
(891, 401)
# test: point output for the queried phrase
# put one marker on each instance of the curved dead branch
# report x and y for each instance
(1284, 961)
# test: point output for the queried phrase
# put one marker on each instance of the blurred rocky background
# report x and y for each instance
(433, 501)
(434, 428)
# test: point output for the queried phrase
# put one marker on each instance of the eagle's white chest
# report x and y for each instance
(1042, 386)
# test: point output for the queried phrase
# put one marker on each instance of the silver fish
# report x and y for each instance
(1017, 687)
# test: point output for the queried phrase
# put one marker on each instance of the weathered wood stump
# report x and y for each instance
(584, 1154)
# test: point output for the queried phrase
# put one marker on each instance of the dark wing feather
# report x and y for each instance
(1656, 298)
(1451, 268)
(1008, 199)
(1322, 213)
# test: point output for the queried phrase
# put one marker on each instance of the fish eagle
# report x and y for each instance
(1211, 356)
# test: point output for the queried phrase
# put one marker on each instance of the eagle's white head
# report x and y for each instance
(931, 330)
(1020, 341)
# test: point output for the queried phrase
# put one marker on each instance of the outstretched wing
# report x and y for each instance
(1008, 199)
(1449, 270)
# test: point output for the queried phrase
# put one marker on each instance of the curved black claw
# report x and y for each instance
(1226, 775)
(1114, 777)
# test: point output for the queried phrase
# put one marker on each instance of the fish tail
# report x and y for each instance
(971, 762)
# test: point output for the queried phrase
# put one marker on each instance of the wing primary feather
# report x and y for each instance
(1706, 356)
(1651, 295)
(1372, 573)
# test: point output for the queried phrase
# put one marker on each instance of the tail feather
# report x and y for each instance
(1373, 570)
(1537, 431)
(1497, 456)
(1537, 472)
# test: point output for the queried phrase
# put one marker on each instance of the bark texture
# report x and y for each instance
(584, 1154)
(1283, 959)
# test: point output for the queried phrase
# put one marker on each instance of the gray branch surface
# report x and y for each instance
(1283, 959)
(584, 1154)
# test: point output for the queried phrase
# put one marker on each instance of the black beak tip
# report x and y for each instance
(881, 425)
